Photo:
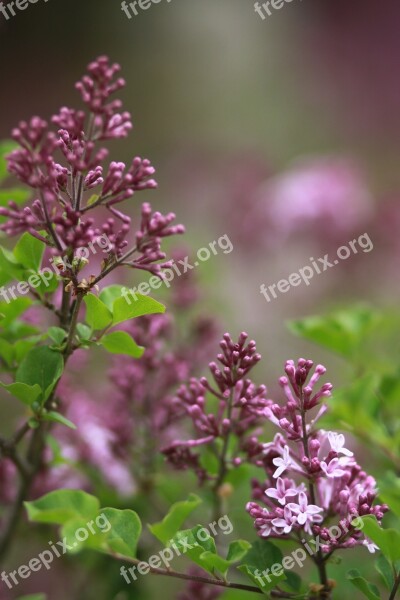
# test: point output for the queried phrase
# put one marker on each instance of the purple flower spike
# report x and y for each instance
(66, 172)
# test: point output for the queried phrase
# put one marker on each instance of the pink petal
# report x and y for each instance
(312, 509)
(272, 493)
(302, 518)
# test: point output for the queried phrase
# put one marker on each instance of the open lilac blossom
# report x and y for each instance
(283, 463)
(306, 513)
(320, 485)
(283, 525)
(337, 443)
(333, 468)
(283, 491)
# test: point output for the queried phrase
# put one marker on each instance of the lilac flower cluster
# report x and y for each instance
(241, 405)
(66, 172)
(311, 475)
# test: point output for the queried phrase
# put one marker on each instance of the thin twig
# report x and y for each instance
(395, 587)
(45, 302)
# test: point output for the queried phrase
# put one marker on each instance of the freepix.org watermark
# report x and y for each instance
(322, 264)
(8, 10)
(131, 8)
(165, 557)
(44, 559)
(265, 8)
(177, 269)
(58, 264)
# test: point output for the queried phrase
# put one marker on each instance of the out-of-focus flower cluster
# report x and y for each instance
(119, 435)
(311, 476)
(196, 590)
(143, 390)
(68, 177)
(326, 198)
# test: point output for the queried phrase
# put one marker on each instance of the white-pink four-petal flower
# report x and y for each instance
(281, 492)
(337, 442)
(335, 467)
(282, 463)
(283, 525)
(305, 513)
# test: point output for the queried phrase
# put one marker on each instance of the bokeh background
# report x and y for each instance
(283, 134)
(222, 103)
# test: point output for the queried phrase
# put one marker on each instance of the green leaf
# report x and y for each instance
(124, 534)
(293, 581)
(13, 310)
(93, 199)
(29, 252)
(97, 314)
(342, 332)
(6, 147)
(11, 267)
(84, 332)
(110, 294)
(369, 590)
(120, 342)
(28, 394)
(6, 352)
(118, 533)
(41, 366)
(144, 305)
(56, 417)
(263, 565)
(68, 533)
(356, 407)
(41, 283)
(199, 548)
(383, 567)
(60, 506)
(17, 195)
(236, 552)
(173, 521)
(57, 334)
(389, 492)
(22, 347)
(388, 540)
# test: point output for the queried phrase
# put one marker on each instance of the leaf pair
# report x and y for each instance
(111, 309)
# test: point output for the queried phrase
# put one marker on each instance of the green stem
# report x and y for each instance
(395, 587)
(74, 321)
(223, 468)
(34, 453)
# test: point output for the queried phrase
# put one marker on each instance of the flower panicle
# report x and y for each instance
(241, 404)
(312, 476)
(63, 167)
